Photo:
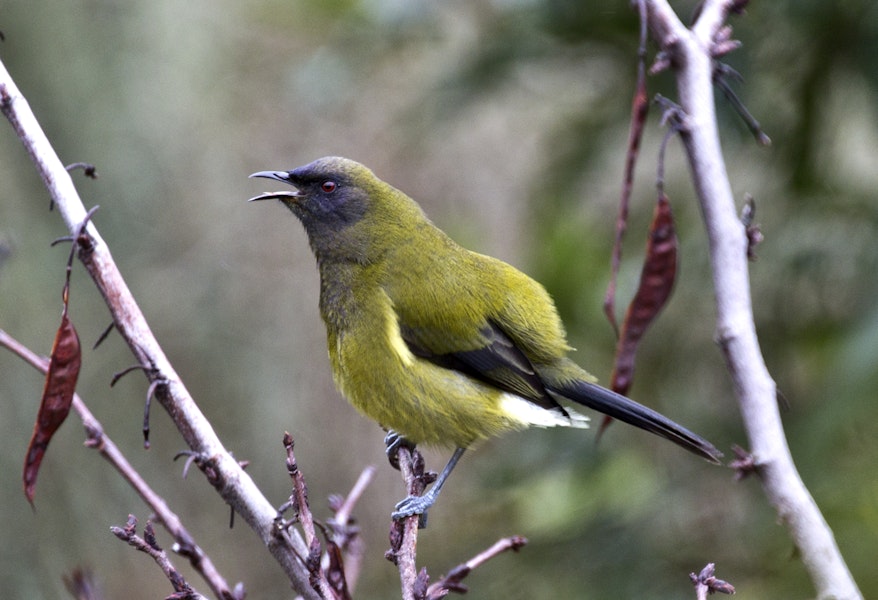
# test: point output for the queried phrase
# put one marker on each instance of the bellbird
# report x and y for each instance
(439, 344)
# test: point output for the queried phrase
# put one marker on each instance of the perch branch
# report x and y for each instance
(404, 533)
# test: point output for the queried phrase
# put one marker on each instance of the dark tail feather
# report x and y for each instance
(624, 409)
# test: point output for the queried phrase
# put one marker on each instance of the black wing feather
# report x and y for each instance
(499, 363)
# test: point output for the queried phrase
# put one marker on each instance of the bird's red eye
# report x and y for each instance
(328, 186)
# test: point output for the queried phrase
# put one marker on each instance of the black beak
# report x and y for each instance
(282, 176)
(276, 175)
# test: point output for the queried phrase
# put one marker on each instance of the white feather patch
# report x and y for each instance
(518, 409)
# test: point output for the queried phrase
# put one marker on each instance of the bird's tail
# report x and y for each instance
(624, 409)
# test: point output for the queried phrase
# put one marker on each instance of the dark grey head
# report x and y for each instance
(332, 190)
(332, 196)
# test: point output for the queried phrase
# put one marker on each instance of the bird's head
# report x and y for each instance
(331, 190)
(346, 210)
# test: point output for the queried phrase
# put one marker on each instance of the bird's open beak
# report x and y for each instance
(277, 176)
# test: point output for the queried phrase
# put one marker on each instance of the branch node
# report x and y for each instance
(94, 435)
(705, 582)
(744, 463)
(662, 62)
(5, 100)
(752, 229)
(673, 115)
(203, 462)
(88, 169)
(723, 43)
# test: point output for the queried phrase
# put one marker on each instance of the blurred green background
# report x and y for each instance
(507, 120)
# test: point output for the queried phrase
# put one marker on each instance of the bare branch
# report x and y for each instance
(691, 56)
(232, 483)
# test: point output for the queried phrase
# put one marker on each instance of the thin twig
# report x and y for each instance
(149, 545)
(343, 513)
(88, 169)
(452, 581)
(345, 534)
(299, 503)
(96, 438)
(299, 497)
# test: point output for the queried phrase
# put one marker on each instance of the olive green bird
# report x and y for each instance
(439, 344)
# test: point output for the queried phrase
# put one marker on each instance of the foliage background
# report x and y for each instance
(507, 120)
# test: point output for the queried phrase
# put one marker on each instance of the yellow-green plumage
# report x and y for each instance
(380, 375)
(441, 344)
(418, 278)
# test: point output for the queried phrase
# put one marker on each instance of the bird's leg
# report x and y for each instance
(418, 505)
(394, 441)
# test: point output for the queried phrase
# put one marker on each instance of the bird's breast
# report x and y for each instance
(376, 371)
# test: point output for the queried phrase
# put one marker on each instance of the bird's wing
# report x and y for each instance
(463, 311)
(498, 362)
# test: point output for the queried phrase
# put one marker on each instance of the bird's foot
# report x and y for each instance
(414, 505)
(394, 442)
(418, 505)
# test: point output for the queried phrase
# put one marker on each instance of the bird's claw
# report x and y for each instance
(394, 442)
(413, 505)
